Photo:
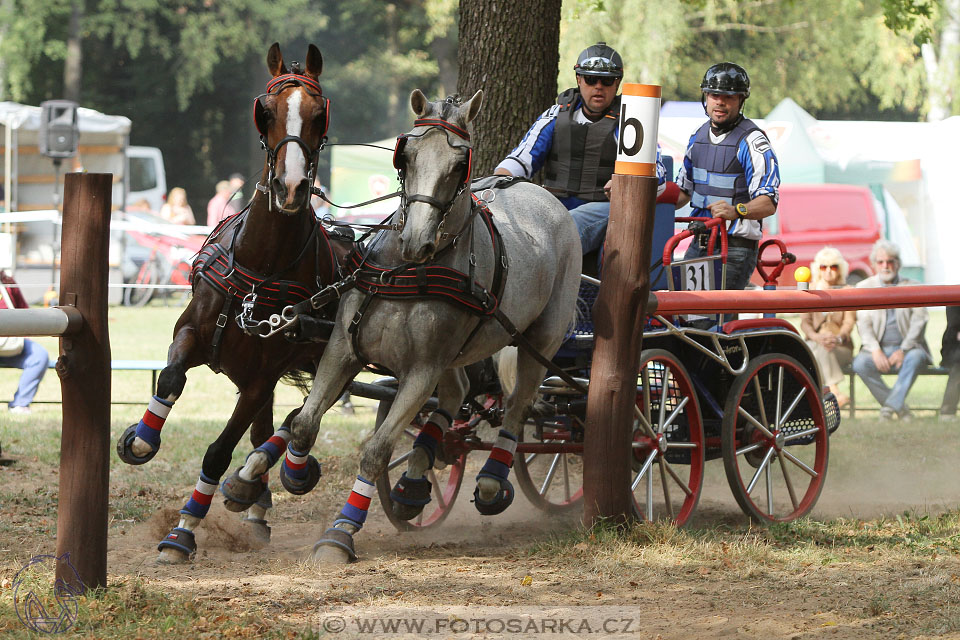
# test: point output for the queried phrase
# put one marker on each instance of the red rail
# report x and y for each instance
(795, 301)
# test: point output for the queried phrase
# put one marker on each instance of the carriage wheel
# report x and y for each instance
(774, 439)
(550, 481)
(134, 296)
(668, 443)
(445, 482)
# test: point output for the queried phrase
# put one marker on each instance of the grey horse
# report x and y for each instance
(426, 342)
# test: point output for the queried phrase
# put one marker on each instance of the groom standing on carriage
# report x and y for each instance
(575, 143)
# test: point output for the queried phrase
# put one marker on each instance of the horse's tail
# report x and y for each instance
(301, 377)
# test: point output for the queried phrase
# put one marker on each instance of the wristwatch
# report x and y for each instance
(742, 210)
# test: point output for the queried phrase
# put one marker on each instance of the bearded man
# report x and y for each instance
(892, 339)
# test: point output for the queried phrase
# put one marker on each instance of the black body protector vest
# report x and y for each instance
(581, 156)
(717, 173)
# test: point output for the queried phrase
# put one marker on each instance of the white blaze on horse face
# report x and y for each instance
(295, 164)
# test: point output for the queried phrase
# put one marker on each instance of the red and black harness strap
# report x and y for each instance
(431, 281)
(216, 265)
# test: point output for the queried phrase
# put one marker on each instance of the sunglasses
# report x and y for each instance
(832, 267)
(606, 81)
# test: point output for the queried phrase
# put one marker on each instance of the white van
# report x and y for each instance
(148, 180)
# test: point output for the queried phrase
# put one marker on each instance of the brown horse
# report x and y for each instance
(274, 253)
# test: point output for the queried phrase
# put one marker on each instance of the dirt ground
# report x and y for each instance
(473, 576)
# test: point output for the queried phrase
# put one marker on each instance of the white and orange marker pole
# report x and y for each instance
(620, 311)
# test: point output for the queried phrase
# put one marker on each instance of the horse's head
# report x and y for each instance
(292, 118)
(434, 162)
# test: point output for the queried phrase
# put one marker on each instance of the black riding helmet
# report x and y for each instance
(726, 78)
(599, 60)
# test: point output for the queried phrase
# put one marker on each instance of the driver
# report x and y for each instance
(729, 171)
(575, 143)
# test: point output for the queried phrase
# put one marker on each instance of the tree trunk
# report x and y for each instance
(511, 51)
(941, 66)
(72, 69)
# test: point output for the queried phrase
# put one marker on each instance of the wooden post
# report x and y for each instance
(620, 311)
(84, 370)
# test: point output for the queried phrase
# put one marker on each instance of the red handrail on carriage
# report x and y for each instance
(770, 281)
(715, 224)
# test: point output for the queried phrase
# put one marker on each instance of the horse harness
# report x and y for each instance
(216, 265)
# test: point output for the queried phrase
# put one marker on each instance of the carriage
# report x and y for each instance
(747, 392)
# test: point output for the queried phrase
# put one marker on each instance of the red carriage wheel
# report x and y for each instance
(774, 439)
(668, 443)
(551, 480)
(445, 482)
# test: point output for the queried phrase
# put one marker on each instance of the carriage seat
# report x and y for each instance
(757, 324)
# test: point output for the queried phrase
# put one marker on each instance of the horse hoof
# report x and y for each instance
(409, 496)
(336, 547)
(301, 487)
(172, 556)
(239, 494)
(499, 503)
(126, 454)
(181, 545)
(259, 528)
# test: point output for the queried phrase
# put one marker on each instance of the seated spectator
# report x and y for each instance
(176, 209)
(828, 333)
(892, 339)
(950, 354)
(219, 207)
(21, 353)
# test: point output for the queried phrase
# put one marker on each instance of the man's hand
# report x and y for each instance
(607, 187)
(896, 359)
(880, 359)
(827, 340)
(721, 209)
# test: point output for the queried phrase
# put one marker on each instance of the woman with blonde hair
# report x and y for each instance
(828, 332)
(176, 209)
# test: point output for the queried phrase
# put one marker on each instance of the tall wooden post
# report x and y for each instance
(620, 311)
(84, 370)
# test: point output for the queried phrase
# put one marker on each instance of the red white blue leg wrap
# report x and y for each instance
(152, 421)
(199, 502)
(498, 464)
(431, 435)
(355, 511)
(295, 464)
(275, 445)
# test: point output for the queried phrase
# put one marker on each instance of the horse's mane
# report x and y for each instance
(448, 109)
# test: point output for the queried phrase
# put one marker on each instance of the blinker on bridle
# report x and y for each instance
(274, 87)
(399, 163)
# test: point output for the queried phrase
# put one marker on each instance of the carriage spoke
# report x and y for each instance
(743, 412)
(648, 512)
(768, 474)
(645, 385)
(666, 487)
(398, 461)
(789, 483)
(643, 470)
(673, 474)
(801, 434)
(760, 405)
(550, 472)
(800, 463)
(664, 390)
(566, 479)
(673, 414)
(645, 423)
(437, 491)
(793, 405)
(763, 465)
(779, 405)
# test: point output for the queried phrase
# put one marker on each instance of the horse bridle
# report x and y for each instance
(399, 163)
(275, 87)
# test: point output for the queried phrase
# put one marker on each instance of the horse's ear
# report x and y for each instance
(314, 61)
(275, 60)
(470, 109)
(419, 102)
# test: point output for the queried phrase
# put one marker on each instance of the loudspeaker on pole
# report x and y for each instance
(59, 133)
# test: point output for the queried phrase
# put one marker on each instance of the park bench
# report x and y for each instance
(927, 370)
(153, 366)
